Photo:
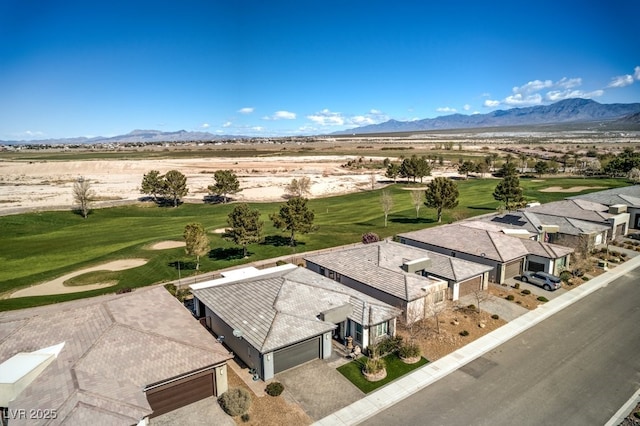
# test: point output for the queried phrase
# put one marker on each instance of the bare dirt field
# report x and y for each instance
(42, 185)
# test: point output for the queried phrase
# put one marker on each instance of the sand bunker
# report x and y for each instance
(572, 189)
(57, 286)
(163, 245)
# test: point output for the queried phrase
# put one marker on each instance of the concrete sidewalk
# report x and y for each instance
(396, 391)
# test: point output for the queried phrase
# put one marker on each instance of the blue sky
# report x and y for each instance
(278, 68)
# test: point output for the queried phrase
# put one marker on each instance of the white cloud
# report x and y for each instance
(558, 95)
(446, 109)
(227, 124)
(466, 107)
(636, 73)
(568, 83)
(519, 100)
(284, 115)
(532, 86)
(30, 134)
(621, 81)
(327, 118)
(491, 103)
(205, 125)
(246, 110)
(257, 128)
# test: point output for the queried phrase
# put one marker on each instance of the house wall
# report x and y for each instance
(549, 264)
(634, 220)
(494, 275)
(620, 219)
(247, 353)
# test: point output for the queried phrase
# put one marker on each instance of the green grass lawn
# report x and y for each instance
(395, 368)
(38, 247)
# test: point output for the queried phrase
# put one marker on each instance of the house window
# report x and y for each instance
(331, 274)
(338, 276)
(380, 330)
(322, 270)
(359, 333)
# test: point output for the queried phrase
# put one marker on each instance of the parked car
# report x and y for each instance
(633, 236)
(542, 279)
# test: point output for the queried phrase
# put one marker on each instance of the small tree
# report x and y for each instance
(634, 175)
(152, 184)
(441, 193)
(435, 310)
(175, 186)
(386, 201)
(509, 190)
(245, 227)
(226, 182)
(299, 187)
(197, 242)
(294, 216)
(480, 295)
(373, 180)
(82, 195)
(417, 198)
(541, 167)
(393, 170)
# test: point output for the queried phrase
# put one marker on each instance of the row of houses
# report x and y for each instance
(122, 359)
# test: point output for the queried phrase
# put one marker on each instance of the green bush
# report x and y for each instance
(525, 291)
(373, 365)
(636, 414)
(245, 417)
(542, 299)
(235, 401)
(274, 388)
(385, 346)
(495, 316)
(565, 276)
(585, 278)
(409, 350)
(516, 286)
(510, 297)
(471, 307)
(280, 263)
(464, 333)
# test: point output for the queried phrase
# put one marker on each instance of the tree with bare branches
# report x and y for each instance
(386, 201)
(83, 195)
(417, 198)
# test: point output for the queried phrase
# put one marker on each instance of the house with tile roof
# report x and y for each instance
(401, 275)
(615, 217)
(483, 243)
(277, 318)
(116, 359)
(628, 196)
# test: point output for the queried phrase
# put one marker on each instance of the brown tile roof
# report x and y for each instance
(114, 347)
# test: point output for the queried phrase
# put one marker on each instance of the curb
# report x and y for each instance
(419, 379)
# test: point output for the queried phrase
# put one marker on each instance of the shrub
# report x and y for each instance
(510, 297)
(578, 272)
(464, 333)
(385, 346)
(370, 237)
(245, 417)
(235, 401)
(585, 278)
(636, 414)
(495, 316)
(565, 276)
(280, 263)
(516, 286)
(525, 291)
(373, 365)
(274, 388)
(471, 307)
(542, 299)
(409, 350)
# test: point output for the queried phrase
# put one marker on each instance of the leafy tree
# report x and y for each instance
(294, 216)
(386, 201)
(197, 242)
(226, 183)
(541, 167)
(634, 175)
(82, 195)
(509, 190)
(152, 184)
(299, 187)
(245, 226)
(421, 168)
(417, 197)
(393, 170)
(441, 193)
(466, 167)
(407, 169)
(482, 168)
(175, 186)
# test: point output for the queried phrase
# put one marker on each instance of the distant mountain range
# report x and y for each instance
(136, 136)
(565, 111)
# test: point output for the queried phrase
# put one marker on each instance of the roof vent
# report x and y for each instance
(618, 208)
(412, 266)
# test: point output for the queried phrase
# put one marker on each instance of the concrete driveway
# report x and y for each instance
(538, 291)
(318, 388)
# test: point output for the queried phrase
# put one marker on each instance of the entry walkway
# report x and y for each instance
(396, 391)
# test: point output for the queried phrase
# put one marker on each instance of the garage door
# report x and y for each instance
(535, 266)
(513, 269)
(469, 286)
(182, 392)
(297, 354)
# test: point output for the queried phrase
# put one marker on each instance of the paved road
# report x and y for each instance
(576, 368)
